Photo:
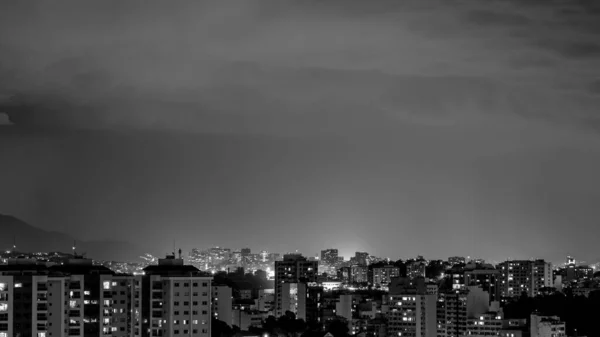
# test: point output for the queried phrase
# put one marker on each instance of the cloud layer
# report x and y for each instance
(250, 66)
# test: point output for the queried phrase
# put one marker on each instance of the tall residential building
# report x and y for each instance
(415, 269)
(547, 326)
(359, 274)
(383, 275)
(246, 251)
(412, 308)
(485, 276)
(524, 276)
(361, 258)
(176, 300)
(329, 256)
(485, 324)
(222, 303)
(293, 278)
(76, 298)
(457, 306)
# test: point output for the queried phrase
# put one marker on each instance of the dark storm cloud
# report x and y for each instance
(445, 122)
(484, 17)
(113, 58)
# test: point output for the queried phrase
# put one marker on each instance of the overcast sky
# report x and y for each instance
(395, 127)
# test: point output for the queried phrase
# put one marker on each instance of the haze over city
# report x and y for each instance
(394, 127)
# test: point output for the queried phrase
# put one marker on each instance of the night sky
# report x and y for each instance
(399, 128)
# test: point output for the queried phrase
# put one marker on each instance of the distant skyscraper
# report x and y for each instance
(454, 260)
(329, 256)
(293, 277)
(361, 258)
(246, 251)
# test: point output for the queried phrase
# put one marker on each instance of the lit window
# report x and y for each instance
(3, 307)
(2, 286)
(18, 285)
(106, 285)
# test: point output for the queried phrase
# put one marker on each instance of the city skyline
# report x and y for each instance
(393, 127)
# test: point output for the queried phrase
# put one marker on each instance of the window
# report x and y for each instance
(186, 284)
(18, 285)
(195, 284)
(3, 307)
(204, 284)
(106, 285)
(2, 286)
(176, 284)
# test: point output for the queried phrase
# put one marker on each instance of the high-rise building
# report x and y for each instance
(359, 274)
(383, 275)
(415, 269)
(485, 276)
(246, 252)
(293, 278)
(524, 276)
(412, 308)
(329, 256)
(76, 298)
(176, 300)
(221, 303)
(361, 258)
(456, 306)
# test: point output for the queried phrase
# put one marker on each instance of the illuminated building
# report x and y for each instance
(485, 324)
(383, 275)
(176, 300)
(361, 258)
(329, 256)
(524, 276)
(454, 260)
(292, 276)
(412, 308)
(547, 326)
(221, 303)
(76, 298)
(457, 306)
(415, 269)
(359, 274)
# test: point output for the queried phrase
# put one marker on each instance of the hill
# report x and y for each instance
(33, 239)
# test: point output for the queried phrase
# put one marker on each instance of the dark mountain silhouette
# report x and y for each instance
(32, 239)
